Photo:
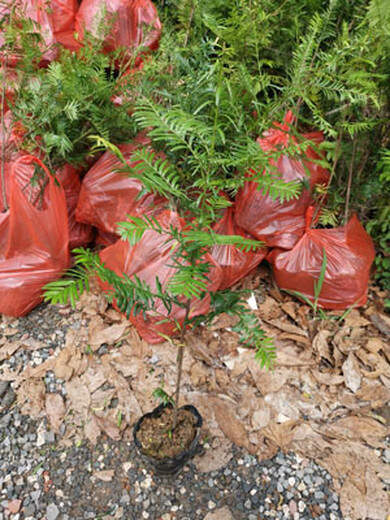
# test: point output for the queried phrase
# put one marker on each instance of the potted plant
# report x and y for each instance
(175, 303)
(167, 436)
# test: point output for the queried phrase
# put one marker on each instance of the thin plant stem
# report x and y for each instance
(3, 139)
(179, 361)
(349, 185)
(189, 24)
(332, 173)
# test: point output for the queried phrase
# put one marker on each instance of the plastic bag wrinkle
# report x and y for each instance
(349, 256)
(235, 263)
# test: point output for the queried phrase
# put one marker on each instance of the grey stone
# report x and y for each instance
(5, 420)
(29, 510)
(35, 495)
(52, 512)
(3, 387)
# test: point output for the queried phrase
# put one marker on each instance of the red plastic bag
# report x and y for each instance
(54, 18)
(235, 264)
(106, 196)
(349, 254)
(33, 240)
(277, 224)
(151, 258)
(130, 17)
(79, 234)
(62, 15)
(103, 238)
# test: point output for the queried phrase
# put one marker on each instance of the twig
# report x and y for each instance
(189, 24)
(349, 185)
(338, 109)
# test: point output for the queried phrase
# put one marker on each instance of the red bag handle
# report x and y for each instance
(28, 159)
(311, 216)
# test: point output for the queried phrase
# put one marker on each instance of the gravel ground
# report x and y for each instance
(40, 480)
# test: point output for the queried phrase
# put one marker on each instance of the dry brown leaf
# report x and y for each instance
(8, 348)
(200, 374)
(268, 382)
(376, 362)
(55, 410)
(308, 443)
(67, 362)
(381, 322)
(108, 424)
(374, 392)
(79, 395)
(290, 309)
(285, 326)
(94, 377)
(199, 351)
(284, 408)
(108, 335)
(354, 428)
(281, 435)
(261, 417)
(222, 322)
(269, 308)
(100, 399)
(301, 340)
(341, 340)
(128, 404)
(356, 319)
(106, 475)
(374, 345)
(10, 375)
(13, 506)
(9, 331)
(31, 397)
(384, 412)
(229, 424)
(92, 430)
(351, 372)
(217, 456)
(327, 378)
(38, 371)
(134, 346)
(373, 502)
(321, 346)
(124, 363)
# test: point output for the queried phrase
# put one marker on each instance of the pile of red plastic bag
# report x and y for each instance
(38, 227)
(294, 249)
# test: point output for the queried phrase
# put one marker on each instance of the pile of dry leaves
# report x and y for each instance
(328, 398)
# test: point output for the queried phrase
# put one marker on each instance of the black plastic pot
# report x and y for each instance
(169, 466)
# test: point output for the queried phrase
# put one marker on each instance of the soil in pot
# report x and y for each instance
(157, 438)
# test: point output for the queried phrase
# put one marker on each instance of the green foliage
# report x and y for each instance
(379, 224)
(162, 397)
(62, 105)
